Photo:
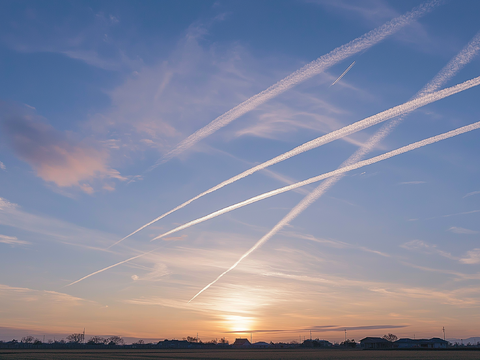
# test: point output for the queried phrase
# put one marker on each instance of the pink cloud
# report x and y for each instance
(56, 156)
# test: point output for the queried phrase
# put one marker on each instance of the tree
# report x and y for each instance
(37, 342)
(192, 339)
(349, 343)
(115, 340)
(390, 337)
(223, 341)
(75, 338)
(96, 340)
(28, 339)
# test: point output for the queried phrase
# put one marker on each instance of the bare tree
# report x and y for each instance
(390, 337)
(115, 340)
(192, 339)
(96, 340)
(28, 339)
(75, 338)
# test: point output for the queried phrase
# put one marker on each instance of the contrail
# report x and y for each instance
(343, 74)
(314, 195)
(306, 72)
(111, 266)
(334, 135)
(331, 174)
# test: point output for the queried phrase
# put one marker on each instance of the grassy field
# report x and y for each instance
(267, 354)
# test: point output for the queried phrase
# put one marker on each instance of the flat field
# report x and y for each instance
(231, 354)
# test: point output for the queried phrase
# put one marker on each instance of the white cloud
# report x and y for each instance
(472, 257)
(2, 166)
(421, 246)
(12, 240)
(460, 230)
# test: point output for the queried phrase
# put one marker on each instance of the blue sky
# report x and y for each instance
(95, 93)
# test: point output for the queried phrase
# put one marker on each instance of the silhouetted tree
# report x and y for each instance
(115, 340)
(349, 343)
(390, 337)
(223, 341)
(96, 340)
(139, 342)
(28, 339)
(75, 338)
(192, 339)
(37, 342)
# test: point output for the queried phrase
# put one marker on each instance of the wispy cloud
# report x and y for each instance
(51, 229)
(2, 166)
(472, 257)
(460, 230)
(472, 193)
(12, 240)
(421, 246)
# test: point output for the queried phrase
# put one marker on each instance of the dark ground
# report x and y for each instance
(261, 354)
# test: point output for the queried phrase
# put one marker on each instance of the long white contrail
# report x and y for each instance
(343, 74)
(314, 195)
(112, 266)
(306, 72)
(334, 135)
(331, 174)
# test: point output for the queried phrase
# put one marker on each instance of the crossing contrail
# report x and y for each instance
(314, 195)
(334, 135)
(331, 174)
(306, 72)
(343, 74)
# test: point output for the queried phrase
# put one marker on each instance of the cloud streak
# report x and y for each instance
(315, 67)
(12, 240)
(332, 136)
(460, 230)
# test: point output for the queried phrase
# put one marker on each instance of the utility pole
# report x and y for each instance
(345, 335)
(310, 335)
(444, 333)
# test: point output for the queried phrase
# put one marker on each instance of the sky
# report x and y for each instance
(100, 101)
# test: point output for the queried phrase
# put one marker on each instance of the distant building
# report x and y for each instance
(434, 343)
(241, 343)
(174, 344)
(317, 343)
(375, 343)
(260, 345)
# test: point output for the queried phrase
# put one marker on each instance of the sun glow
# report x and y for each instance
(239, 323)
